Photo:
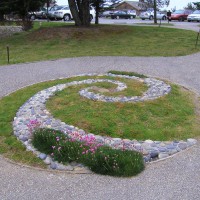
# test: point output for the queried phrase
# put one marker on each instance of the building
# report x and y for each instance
(138, 6)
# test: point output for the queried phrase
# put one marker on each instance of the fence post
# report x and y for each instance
(8, 54)
(197, 39)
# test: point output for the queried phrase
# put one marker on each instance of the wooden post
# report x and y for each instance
(8, 54)
(197, 39)
(160, 23)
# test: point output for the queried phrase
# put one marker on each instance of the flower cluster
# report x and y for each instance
(89, 143)
(33, 125)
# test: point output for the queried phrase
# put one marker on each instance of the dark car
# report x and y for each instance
(105, 14)
(180, 15)
(39, 14)
(122, 14)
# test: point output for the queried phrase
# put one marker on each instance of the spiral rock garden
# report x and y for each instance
(35, 109)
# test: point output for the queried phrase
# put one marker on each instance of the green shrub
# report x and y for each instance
(127, 73)
(114, 162)
(100, 159)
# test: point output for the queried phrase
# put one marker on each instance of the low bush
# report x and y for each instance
(84, 149)
(127, 73)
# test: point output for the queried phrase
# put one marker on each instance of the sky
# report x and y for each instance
(179, 4)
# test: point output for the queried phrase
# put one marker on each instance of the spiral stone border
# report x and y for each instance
(34, 109)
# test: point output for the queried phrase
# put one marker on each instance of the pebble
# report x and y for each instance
(34, 109)
(163, 155)
(47, 160)
(42, 156)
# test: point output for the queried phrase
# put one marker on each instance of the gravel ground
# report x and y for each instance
(175, 178)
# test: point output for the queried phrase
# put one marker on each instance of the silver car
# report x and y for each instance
(150, 15)
(51, 11)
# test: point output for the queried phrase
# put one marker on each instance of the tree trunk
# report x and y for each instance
(97, 9)
(155, 11)
(86, 13)
(75, 13)
(1, 17)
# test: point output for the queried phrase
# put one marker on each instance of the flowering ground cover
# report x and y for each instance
(85, 149)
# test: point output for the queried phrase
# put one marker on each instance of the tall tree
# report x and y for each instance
(80, 10)
(4, 8)
(155, 4)
(197, 5)
(190, 7)
(22, 7)
(98, 6)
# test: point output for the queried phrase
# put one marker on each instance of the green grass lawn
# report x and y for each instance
(167, 118)
(60, 40)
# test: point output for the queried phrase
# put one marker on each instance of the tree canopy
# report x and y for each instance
(20, 7)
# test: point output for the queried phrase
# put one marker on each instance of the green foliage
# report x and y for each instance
(104, 160)
(115, 162)
(127, 73)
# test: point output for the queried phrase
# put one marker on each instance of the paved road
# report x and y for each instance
(175, 178)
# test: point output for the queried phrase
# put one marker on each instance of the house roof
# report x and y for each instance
(134, 4)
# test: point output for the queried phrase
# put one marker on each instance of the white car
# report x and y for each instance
(65, 13)
(195, 16)
(150, 14)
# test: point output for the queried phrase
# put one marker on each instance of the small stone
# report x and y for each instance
(23, 138)
(145, 152)
(154, 154)
(80, 165)
(73, 163)
(99, 139)
(182, 145)
(147, 158)
(163, 155)
(191, 141)
(16, 133)
(172, 151)
(163, 149)
(149, 141)
(69, 168)
(162, 144)
(29, 148)
(53, 165)
(170, 146)
(47, 161)
(42, 156)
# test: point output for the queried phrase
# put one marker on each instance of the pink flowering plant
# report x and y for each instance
(33, 125)
(86, 150)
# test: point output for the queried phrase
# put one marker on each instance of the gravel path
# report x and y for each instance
(175, 178)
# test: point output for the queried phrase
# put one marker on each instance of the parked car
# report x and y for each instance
(105, 14)
(51, 11)
(122, 14)
(39, 14)
(180, 15)
(195, 16)
(65, 13)
(150, 15)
